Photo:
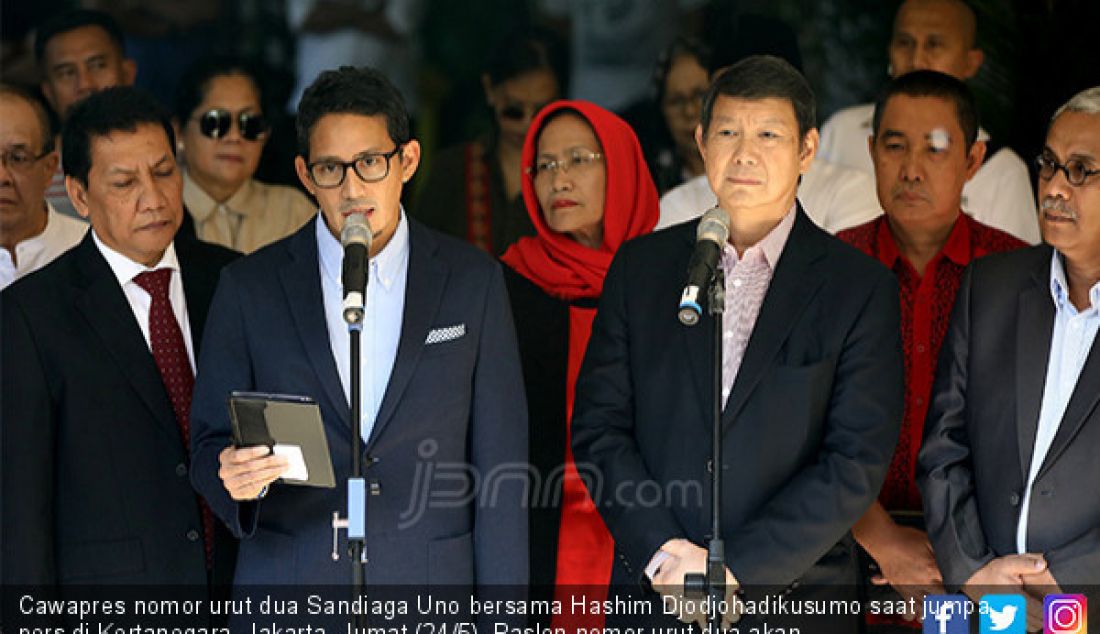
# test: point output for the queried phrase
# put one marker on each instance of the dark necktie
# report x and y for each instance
(170, 355)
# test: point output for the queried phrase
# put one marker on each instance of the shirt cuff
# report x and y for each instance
(655, 563)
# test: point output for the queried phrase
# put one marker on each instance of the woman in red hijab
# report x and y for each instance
(587, 190)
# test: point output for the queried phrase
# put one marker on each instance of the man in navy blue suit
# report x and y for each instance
(441, 381)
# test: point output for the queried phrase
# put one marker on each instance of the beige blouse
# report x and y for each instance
(257, 215)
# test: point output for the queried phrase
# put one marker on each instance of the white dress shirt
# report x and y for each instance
(141, 301)
(1070, 342)
(61, 234)
(382, 320)
(999, 194)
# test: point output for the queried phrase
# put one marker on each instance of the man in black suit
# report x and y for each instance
(442, 386)
(1008, 467)
(812, 379)
(97, 372)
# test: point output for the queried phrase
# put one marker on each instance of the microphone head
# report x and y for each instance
(356, 231)
(715, 226)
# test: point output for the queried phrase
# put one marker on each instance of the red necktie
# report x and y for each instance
(170, 355)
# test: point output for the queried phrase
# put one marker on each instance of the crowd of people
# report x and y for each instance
(909, 369)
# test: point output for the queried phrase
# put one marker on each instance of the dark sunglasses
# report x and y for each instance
(518, 111)
(216, 123)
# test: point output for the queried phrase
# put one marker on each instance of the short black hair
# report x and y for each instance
(41, 112)
(352, 90)
(196, 81)
(929, 83)
(72, 20)
(527, 50)
(117, 109)
(764, 77)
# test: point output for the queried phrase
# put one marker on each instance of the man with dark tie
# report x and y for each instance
(98, 368)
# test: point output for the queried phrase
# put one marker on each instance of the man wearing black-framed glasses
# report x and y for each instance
(439, 363)
(1013, 428)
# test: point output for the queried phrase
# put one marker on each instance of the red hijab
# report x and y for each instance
(555, 262)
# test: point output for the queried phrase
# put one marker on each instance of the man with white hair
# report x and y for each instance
(1012, 431)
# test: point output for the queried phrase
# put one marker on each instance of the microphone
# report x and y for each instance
(710, 237)
(355, 238)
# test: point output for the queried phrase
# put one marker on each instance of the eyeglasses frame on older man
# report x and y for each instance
(1074, 169)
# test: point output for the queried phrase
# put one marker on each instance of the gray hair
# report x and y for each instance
(1087, 101)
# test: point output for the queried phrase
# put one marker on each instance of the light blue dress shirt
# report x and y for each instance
(385, 306)
(1074, 332)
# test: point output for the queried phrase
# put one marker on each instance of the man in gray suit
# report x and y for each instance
(1004, 472)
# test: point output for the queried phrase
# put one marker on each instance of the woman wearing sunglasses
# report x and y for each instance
(222, 134)
(472, 191)
(587, 190)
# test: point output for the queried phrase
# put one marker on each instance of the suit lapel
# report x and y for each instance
(1081, 405)
(697, 339)
(426, 279)
(793, 286)
(195, 275)
(301, 279)
(103, 304)
(1034, 329)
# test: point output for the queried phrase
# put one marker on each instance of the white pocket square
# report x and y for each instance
(448, 333)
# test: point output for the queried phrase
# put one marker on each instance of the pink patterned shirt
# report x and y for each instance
(747, 281)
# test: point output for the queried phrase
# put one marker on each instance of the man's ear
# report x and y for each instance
(808, 151)
(699, 140)
(129, 72)
(50, 161)
(974, 158)
(410, 159)
(302, 170)
(974, 59)
(78, 195)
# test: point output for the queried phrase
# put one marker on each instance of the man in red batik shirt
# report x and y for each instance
(924, 150)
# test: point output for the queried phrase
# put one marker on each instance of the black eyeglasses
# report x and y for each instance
(371, 167)
(216, 123)
(1075, 171)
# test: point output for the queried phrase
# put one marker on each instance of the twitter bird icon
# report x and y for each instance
(1002, 613)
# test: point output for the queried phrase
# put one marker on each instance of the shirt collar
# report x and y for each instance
(385, 267)
(956, 248)
(126, 269)
(201, 205)
(1059, 287)
(771, 244)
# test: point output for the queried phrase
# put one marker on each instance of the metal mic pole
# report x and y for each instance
(356, 239)
(712, 585)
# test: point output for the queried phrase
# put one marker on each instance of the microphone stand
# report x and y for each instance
(355, 522)
(713, 584)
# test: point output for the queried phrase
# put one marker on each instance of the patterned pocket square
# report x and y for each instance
(448, 333)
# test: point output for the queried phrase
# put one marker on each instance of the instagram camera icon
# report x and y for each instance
(1065, 614)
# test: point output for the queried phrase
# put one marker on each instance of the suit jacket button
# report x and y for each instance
(181, 470)
(1014, 499)
(710, 465)
(192, 535)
